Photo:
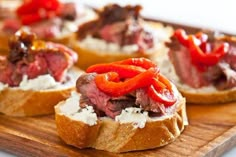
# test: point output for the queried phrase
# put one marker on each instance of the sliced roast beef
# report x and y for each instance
(44, 29)
(228, 79)
(68, 11)
(31, 57)
(184, 68)
(222, 75)
(146, 103)
(73, 57)
(230, 58)
(112, 106)
(57, 64)
(113, 32)
(11, 25)
(6, 71)
(120, 25)
(87, 87)
(47, 29)
(32, 69)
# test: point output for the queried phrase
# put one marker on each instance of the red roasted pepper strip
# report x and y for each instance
(161, 91)
(31, 18)
(124, 71)
(37, 10)
(165, 81)
(27, 8)
(210, 58)
(105, 82)
(164, 96)
(158, 84)
(182, 37)
(141, 62)
(200, 50)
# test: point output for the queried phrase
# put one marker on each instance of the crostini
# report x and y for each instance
(51, 20)
(119, 33)
(203, 66)
(35, 76)
(122, 106)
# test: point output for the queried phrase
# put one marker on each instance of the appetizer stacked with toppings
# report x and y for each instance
(49, 19)
(35, 76)
(119, 33)
(118, 105)
(204, 66)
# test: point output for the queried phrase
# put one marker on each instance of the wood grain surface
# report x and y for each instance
(211, 132)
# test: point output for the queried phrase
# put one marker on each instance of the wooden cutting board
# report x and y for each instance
(211, 132)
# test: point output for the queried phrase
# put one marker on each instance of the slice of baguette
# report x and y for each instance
(19, 102)
(114, 136)
(204, 95)
(90, 56)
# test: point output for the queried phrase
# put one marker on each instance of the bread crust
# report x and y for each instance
(89, 57)
(216, 97)
(112, 136)
(18, 102)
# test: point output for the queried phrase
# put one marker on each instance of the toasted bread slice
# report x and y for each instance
(111, 135)
(89, 56)
(19, 102)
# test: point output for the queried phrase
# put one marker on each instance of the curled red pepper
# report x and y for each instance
(161, 91)
(122, 77)
(182, 37)
(141, 62)
(105, 82)
(210, 58)
(36, 10)
(124, 71)
(200, 50)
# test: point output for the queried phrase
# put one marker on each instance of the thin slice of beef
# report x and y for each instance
(34, 68)
(186, 71)
(6, 71)
(222, 75)
(10, 25)
(230, 58)
(32, 57)
(228, 79)
(120, 25)
(112, 106)
(57, 64)
(68, 11)
(47, 29)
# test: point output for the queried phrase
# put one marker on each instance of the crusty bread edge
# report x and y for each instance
(112, 136)
(216, 97)
(89, 57)
(20, 103)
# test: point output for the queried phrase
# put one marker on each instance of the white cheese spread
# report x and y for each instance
(41, 82)
(3, 86)
(72, 109)
(159, 35)
(133, 115)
